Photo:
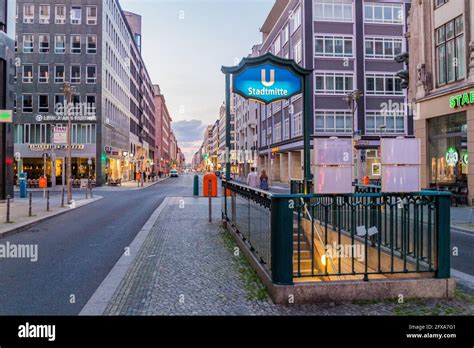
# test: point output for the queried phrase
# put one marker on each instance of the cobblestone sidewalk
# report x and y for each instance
(187, 266)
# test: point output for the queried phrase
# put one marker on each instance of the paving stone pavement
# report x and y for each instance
(186, 266)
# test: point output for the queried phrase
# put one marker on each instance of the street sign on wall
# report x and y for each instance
(59, 135)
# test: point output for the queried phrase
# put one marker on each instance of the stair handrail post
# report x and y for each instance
(282, 239)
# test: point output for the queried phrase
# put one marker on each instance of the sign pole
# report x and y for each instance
(227, 127)
(307, 129)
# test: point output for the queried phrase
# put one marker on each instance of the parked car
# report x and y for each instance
(174, 173)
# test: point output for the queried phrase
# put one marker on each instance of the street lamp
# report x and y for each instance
(352, 99)
(68, 93)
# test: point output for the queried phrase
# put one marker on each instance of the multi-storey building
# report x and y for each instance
(442, 88)
(214, 146)
(162, 132)
(246, 138)
(7, 73)
(350, 45)
(142, 103)
(92, 47)
(232, 152)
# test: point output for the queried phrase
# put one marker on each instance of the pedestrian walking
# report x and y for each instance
(264, 180)
(252, 179)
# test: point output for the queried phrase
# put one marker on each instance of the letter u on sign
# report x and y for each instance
(264, 78)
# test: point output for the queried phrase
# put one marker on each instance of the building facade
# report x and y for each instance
(442, 89)
(91, 46)
(350, 45)
(7, 73)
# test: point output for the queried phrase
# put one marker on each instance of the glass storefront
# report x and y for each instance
(448, 150)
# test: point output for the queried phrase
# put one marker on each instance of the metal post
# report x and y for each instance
(68, 91)
(8, 209)
(47, 201)
(227, 127)
(307, 131)
(209, 193)
(30, 205)
(282, 241)
(44, 173)
(62, 198)
(87, 193)
(443, 225)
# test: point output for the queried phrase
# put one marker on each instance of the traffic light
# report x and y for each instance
(404, 74)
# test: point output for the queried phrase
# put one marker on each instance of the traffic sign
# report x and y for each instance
(17, 156)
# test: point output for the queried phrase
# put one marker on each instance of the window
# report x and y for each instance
(91, 44)
(285, 34)
(286, 129)
(264, 137)
(295, 19)
(333, 46)
(383, 48)
(59, 104)
(75, 44)
(75, 74)
(28, 13)
(59, 44)
(383, 84)
(43, 76)
(76, 15)
(277, 133)
(76, 101)
(43, 103)
(297, 52)
(28, 43)
(450, 51)
(333, 10)
(27, 103)
(297, 125)
(91, 15)
(43, 43)
(91, 74)
(334, 83)
(60, 14)
(383, 13)
(394, 122)
(277, 45)
(28, 73)
(91, 106)
(44, 14)
(59, 74)
(337, 121)
(439, 3)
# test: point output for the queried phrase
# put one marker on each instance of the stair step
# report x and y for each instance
(303, 253)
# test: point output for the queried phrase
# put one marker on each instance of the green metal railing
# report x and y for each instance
(361, 235)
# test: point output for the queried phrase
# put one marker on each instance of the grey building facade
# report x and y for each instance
(88, 44)
(349, 44)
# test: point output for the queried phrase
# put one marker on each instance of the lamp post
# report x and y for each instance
(68, 93)
(352, 99)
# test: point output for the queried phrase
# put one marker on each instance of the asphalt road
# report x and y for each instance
(76, 250)
(464, 242)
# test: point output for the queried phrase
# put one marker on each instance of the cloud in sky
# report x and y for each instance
(190, 134)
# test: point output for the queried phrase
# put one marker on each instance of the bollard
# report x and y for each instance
(90, 188)
(8, 209)
(87, 193)
(47, 200)
(30, 205)
(62, 198)
(196, 185)
(209, 191)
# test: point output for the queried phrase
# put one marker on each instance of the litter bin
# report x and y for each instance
(23, 185)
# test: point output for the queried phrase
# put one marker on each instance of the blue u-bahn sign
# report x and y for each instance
(267, 83)
(267, 78)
